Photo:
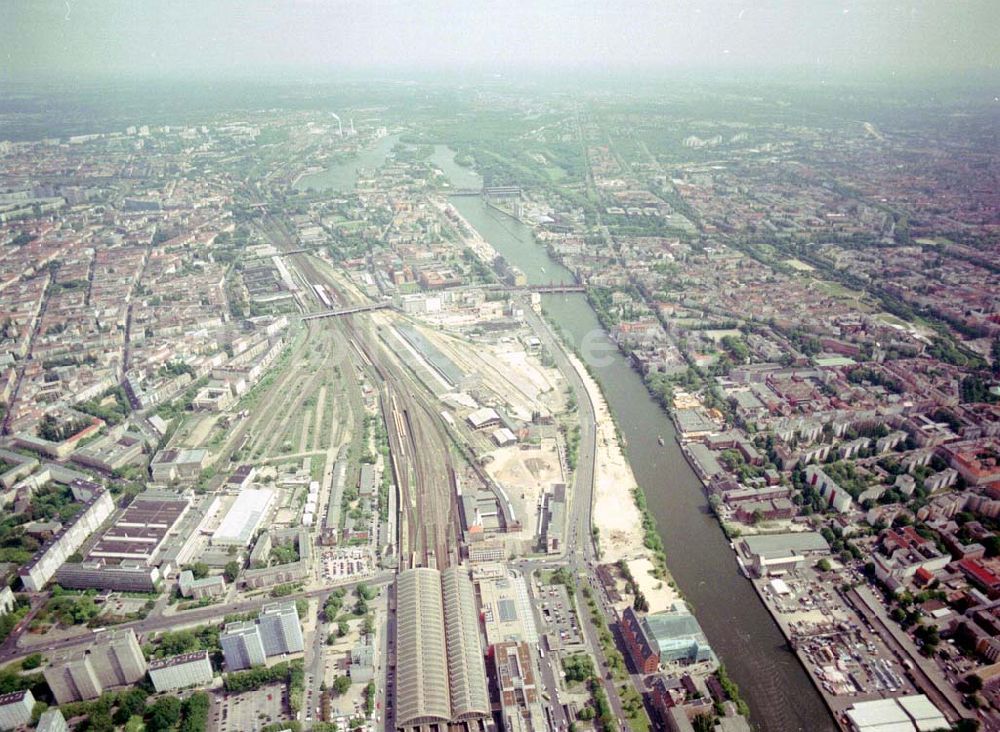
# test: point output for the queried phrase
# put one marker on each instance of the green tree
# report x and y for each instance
(736, 348)
(340, 685)
(703, 723)
(37, 711)
(332, 606)
(231, 571)
(578, 667)
(130, 703)
(99, 720)
(640, 603)
(173, 643)
(195, 712)
(163, 714)
(342, 628)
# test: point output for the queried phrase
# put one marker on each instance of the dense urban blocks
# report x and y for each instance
(252, 362)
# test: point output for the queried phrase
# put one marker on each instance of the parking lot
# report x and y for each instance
(805, 602)
(560, 621)
(249, 711)
(850, 664)
(339, 564)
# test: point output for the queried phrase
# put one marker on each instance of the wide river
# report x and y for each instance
(780, 694)
(343, 176)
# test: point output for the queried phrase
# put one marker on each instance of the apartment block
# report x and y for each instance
(242, 646)
(113, 659)
(15, 709)
(181, 672)
(280, 629)
(37, 572)
(52, 720)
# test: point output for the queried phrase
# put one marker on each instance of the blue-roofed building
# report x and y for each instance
(678, 636)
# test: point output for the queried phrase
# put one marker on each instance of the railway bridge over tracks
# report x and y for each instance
(347, 311)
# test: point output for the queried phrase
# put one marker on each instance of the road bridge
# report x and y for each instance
(489, 191)
(502, 191)
(346, 311)
(556, 288)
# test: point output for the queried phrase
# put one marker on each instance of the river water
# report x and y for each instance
(343, 177)
(780, 694)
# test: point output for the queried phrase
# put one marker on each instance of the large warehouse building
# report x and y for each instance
(914, 713)
(126, 555)
(244, 517)
(441, 676)
(422, 687)
(139, 532)
(466, 670)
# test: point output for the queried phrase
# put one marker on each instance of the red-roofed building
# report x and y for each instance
(977, 461)
(903, 553)
(905, 538)
(985, 579)
(645, 654)
(923, 576)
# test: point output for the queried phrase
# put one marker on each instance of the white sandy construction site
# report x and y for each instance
(527, 385)
(617, 518)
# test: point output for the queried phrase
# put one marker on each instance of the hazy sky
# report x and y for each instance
(42, 37)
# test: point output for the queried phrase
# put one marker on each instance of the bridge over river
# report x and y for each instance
(488, 192)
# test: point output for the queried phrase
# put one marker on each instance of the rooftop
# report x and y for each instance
(244, 516)
(786, 544)
(178, 660)
(12, 697)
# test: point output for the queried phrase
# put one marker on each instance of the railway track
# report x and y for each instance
(420, 454)
(306, 385)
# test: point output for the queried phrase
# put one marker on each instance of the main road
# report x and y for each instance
(580, 553)
(214, 613)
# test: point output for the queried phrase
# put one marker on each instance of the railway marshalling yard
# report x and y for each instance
(388, 439)
(398, 388)
(340, 380)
